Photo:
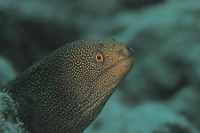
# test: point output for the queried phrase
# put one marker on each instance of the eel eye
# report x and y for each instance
(99, 58)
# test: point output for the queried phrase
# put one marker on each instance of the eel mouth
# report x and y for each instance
(122, 68)
(126, 61)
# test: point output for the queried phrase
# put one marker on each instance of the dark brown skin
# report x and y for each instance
(66, 91)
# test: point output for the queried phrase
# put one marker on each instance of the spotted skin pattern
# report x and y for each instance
(65, 91)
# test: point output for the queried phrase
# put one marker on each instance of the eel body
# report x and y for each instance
(66, 90)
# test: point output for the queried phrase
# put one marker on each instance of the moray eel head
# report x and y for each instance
(66, 90)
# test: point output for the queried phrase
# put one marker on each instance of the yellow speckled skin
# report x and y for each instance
(66, 90)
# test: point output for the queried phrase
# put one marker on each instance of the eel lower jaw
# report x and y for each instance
(127, 63)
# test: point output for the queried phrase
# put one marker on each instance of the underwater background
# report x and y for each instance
(162, 92)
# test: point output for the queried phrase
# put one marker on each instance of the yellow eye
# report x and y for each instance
(99, 58)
